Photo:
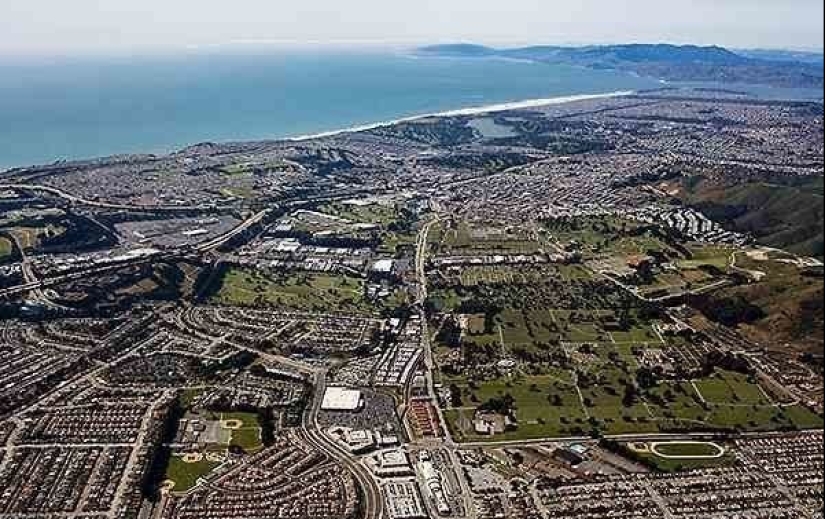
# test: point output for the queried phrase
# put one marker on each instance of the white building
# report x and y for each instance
(341, 399)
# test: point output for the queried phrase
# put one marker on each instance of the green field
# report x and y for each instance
(375, 213)
(530, 334)
(733, 402)
(547, 404)
(678, 465)
(687, 449)
(185, 475)
(545, 407)
(305, 292)
(731, 388)
(248, 436)
(718, 257)
(598, 236)
(461, 238)
(604, 389)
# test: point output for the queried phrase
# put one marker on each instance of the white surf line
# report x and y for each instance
(476, 110)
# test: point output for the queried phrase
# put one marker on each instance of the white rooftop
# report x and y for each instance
(341, 399)
(384, 265)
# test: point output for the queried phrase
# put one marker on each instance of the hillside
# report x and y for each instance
(789, 217)
(789, 302)
(665, 61)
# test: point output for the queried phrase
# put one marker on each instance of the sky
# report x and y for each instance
(67, 27)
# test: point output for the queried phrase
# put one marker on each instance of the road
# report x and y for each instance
(663, 299)
(29, 277)
(103, 205)
(216, 242)
(447, 444)
(242, 227)
(422, 241)
(84, 273)
(373, 504)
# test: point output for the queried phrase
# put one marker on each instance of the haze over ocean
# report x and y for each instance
(82, 108)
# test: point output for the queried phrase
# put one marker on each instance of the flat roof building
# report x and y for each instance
(341, 399)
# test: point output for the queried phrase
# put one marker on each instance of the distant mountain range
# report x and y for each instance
(669, 62)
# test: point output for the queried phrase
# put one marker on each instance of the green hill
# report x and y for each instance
(783, 216)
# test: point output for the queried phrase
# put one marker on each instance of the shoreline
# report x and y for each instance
(466, 111)
(472, 110)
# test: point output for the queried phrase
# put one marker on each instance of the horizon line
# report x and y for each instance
(359, 44)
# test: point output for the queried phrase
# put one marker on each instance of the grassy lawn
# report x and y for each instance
(575, 273)
(247, 438)
(731, 388)
(185, 475)
(639, 333)
(307, 292)
(545, 407)
(804, 418)
(597, 236)
(248, 419)
(678, 402)
(678, 465)
(718, 257)
(690, 449)
(734, 403)
(604, 398)
(548, 405)
(372, 213)
(531, 329)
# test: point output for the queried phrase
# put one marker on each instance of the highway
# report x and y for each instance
(104, 205)
(36, 285)
(83, 273)
(242, 227)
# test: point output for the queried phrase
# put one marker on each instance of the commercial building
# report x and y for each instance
(341, 399)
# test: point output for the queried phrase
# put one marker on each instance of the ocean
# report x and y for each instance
(72, 108)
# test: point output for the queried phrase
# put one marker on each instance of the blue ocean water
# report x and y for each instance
(79, 108)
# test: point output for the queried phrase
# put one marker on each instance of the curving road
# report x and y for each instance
(373, 505)
(35, 285)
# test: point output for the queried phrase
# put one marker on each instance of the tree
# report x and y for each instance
(630, 395)
(646, 378)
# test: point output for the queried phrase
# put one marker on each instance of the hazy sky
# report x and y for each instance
(74, 26)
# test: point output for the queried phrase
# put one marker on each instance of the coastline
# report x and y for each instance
(466, 111)
(473, 110)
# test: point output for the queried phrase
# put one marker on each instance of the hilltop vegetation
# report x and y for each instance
(786, 216)
(671, 62)
(788, 301)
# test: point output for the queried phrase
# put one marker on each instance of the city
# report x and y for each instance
(563, 311)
